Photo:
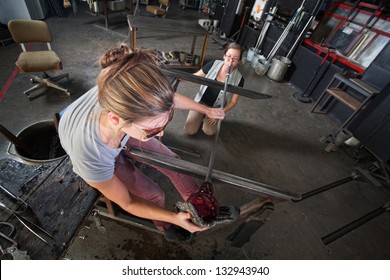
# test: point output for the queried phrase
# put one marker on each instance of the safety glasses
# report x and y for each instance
(233, 58)
(149, 133)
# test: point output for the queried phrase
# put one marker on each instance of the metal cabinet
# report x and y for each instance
(372, 127)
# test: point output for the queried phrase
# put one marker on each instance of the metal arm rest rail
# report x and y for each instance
(201, 171)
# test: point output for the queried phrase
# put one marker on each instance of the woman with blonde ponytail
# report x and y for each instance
(132, 103)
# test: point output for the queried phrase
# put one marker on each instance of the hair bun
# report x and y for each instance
(114, 55)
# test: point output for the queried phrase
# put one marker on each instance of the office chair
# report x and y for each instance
(36, 31)
(159, 11)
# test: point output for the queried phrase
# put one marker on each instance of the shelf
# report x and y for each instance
(345, 92)
(344, 97)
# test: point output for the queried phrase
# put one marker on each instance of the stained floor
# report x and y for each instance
(273, 141)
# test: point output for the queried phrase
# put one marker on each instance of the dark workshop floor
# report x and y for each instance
(273, 141)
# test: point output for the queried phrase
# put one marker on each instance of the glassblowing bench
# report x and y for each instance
(52, 197)
(169, 25)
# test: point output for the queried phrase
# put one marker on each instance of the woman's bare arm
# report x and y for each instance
(117, 192)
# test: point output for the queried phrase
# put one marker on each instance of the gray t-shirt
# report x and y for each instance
(79, 134)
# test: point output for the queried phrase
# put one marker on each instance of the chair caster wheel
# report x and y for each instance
(67, 93)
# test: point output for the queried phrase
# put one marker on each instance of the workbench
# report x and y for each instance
(169, 25)
(58, 200)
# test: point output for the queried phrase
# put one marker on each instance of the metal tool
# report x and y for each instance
(270, 15)
(202, 205)
(354, 176)
(305, 28)
(137, 11)
(24, 203)
(215, 84)
(13, 249)
(285, 32)
(26, 223)
(16, 141)
(355, 224)
(214, 148)
(24, 209)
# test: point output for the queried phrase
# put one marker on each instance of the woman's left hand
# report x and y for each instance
(215, 113)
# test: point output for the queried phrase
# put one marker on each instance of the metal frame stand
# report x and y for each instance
(378, 174)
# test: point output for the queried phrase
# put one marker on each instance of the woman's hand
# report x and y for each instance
(215, 113)
(211, 121)
(184, 221)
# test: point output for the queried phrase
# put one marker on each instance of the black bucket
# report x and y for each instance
(43, 140)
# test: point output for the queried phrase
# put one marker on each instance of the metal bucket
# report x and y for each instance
(261, 68)
(97, 7)
(278, 68)
(251, 52)
(43, 140)
(255, 60)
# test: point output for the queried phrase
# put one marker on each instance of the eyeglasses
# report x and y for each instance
(149, 133)
(233, 58)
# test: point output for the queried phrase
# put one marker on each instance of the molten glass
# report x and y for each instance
(204, 202)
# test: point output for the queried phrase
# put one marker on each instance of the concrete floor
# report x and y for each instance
(273, 141)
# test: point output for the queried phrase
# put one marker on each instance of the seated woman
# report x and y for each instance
(132, 103)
